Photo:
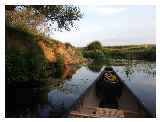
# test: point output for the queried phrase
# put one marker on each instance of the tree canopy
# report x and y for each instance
(96, 45)
(61, 16)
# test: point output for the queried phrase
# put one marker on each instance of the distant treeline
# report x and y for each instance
(140, 52)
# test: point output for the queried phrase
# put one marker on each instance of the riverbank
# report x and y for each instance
(29, 56)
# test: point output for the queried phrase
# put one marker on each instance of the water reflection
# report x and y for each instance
(95, 67)
(132, 66)
(26, 101)
(141, 79)
(63, 99)
(22, 101)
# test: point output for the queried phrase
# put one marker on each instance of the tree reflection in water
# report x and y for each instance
(96, 66)
(26, 100)
(128, 66)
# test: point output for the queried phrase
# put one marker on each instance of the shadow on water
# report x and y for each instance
(28, 100)
(22, 101)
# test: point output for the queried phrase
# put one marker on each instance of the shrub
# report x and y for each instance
(96, 45)
(24, 67)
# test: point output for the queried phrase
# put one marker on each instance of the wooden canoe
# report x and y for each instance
(109, 97)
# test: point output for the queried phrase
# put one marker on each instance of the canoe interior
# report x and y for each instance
(108, 99)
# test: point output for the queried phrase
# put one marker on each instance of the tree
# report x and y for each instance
(22, 19)
(96, 45)
(63, 16)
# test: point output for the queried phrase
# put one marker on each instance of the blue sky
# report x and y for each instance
(112, 25)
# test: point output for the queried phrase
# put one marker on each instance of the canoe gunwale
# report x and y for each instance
(137, 99)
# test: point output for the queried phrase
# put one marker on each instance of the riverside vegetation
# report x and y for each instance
(96, 51)
(30, 54)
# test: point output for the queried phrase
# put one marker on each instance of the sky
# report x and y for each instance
(112, 25)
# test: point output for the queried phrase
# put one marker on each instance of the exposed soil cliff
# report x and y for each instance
(52, 49)
(28, 56)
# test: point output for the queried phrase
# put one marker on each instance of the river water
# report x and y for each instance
(139, 76)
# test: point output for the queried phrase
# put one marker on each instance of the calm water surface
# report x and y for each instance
(141, 79)
(52, 101)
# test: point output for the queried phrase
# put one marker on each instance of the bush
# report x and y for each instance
(24, 66)
(96, 45)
